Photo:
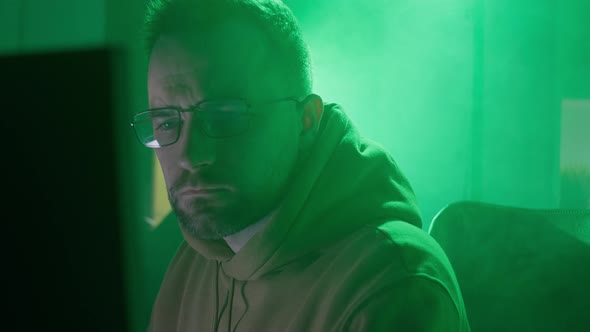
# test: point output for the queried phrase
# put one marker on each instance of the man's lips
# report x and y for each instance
(204, 191)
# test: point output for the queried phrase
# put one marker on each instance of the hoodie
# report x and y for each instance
(343, 251)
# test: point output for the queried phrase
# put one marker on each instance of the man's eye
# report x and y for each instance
(167, 125)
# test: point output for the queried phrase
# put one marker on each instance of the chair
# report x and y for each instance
(519, 269)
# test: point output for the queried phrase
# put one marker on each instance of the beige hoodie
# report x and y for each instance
(343, 251)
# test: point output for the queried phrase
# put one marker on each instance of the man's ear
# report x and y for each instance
(312, 110)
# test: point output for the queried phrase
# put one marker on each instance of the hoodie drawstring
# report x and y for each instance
(228, 297)
(231, 303)
(245, 302)
(218, 314)
(216, 322)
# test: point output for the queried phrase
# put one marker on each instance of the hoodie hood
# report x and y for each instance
(347, 182)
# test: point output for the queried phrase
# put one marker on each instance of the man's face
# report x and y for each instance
(219, 186)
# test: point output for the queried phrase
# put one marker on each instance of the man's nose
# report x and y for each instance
(198, 150)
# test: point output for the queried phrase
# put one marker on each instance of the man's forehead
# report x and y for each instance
(176, 81)
(169, 56)
(171, 80)
(175, 88)
(232, 56)
(231, 43)
(212, 82)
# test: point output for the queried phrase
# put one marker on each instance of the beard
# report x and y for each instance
(209, 220)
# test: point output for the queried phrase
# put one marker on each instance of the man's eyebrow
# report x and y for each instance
(172, 89)
(176, 89)
(157, 102)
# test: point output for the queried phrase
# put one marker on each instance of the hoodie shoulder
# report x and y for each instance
(398, 247)
(397, 260)
(416, 250)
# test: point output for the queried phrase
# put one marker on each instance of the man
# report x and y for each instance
(291, 220)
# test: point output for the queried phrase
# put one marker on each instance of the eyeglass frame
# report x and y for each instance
(196, 108)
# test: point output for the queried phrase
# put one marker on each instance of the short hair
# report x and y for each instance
(273, 17)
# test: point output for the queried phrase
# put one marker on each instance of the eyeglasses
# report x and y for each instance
(159, 127)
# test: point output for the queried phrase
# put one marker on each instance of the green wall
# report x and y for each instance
(466, 95)
(39, 25)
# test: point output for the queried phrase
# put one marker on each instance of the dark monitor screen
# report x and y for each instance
(63, 266)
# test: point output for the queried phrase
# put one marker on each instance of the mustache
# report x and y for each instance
(196, 179)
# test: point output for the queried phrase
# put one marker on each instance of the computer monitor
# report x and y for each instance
(64, 264)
